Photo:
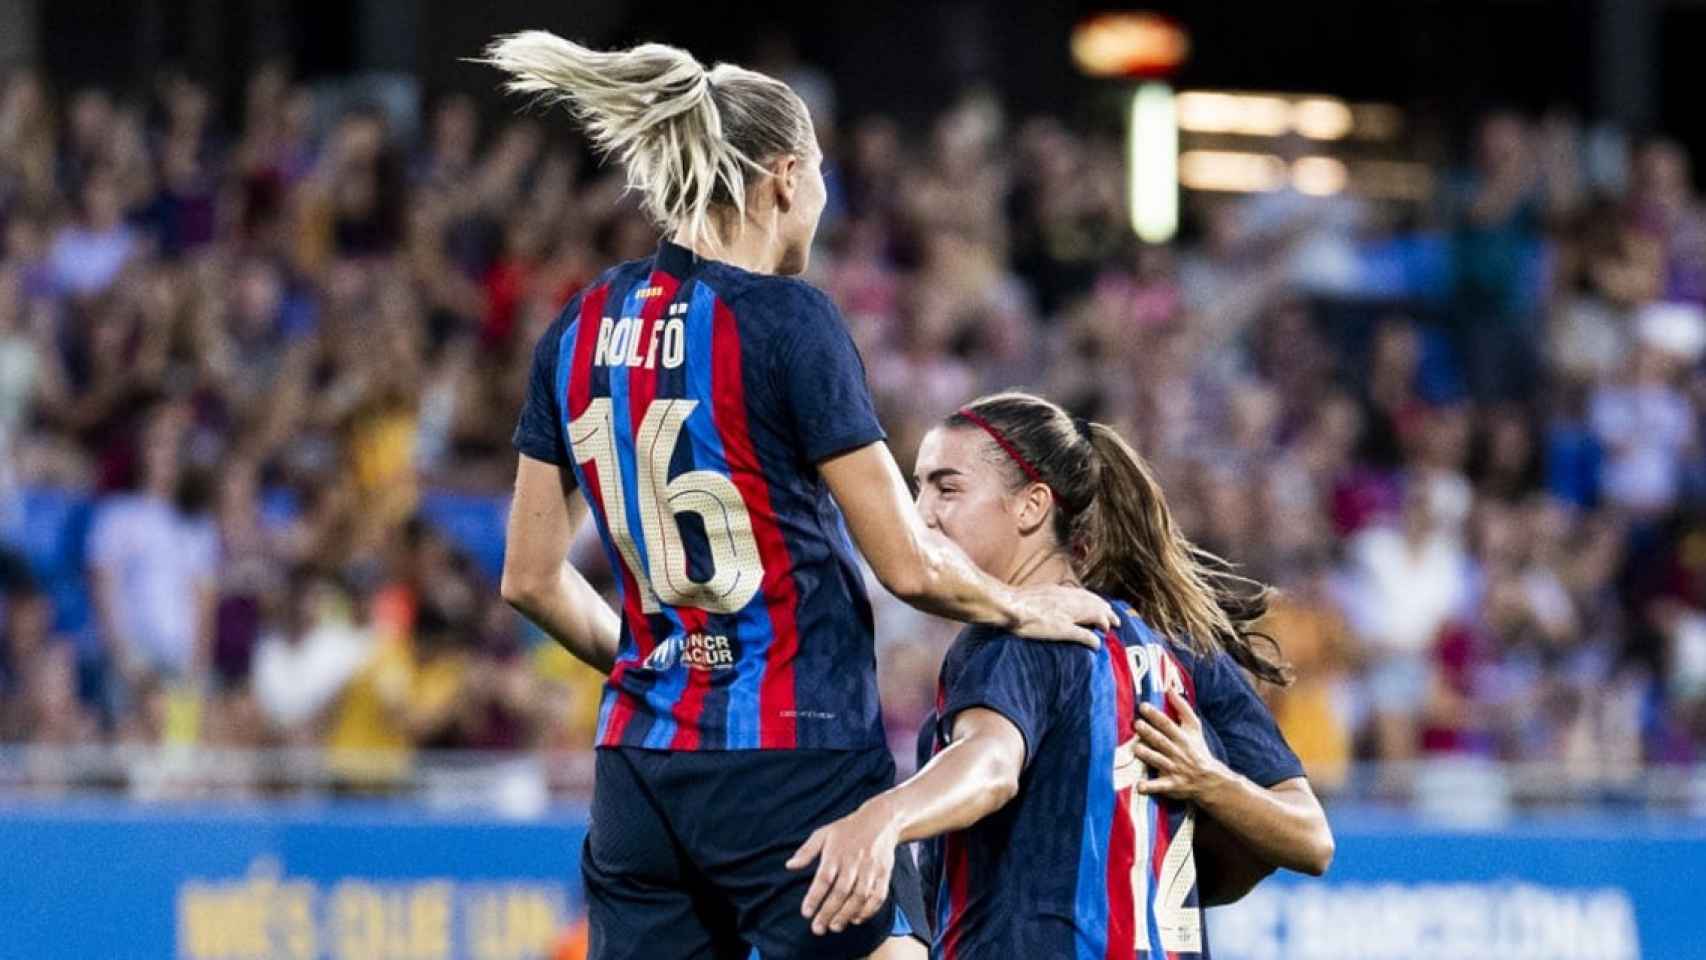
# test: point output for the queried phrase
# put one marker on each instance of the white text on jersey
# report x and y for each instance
(628, 343)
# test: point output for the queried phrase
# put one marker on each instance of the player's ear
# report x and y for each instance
(1032, 507)
(785, 180)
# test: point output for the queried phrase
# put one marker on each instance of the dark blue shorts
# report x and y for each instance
(684, 855)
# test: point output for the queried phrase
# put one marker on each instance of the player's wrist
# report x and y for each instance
(887, 812)
(1219, 784)
(1011, 609)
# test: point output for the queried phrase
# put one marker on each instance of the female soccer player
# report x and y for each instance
(711, 414)
(1057, 842)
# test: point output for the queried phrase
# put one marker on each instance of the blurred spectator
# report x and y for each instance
(1497, 219)
(1406, 582)
(153, 558)
(1664, 207)
(20, 371)
(1315, 713)
(299, 345)
(1646, 425)
(503, 705)
(38, 668)
(408, 694)
(309, 653)
(86, 257)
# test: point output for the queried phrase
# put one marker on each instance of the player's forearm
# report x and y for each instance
(1283, 825)
(940, 579)
(1227, 870)
(572, 612)
(966, 782)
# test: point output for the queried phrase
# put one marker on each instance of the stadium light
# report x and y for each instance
(1313, 116)
(1148, 48)
(1319, 176)
(1129, 44)
(1231, 171)
(1321, 118)
(1152, 163)
(1252, 115)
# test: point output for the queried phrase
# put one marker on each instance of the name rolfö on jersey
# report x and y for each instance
(620, 342)
(690, 401)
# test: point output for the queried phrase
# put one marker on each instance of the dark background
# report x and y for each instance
(1628, 61)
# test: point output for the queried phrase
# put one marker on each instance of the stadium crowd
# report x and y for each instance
(1461, 435)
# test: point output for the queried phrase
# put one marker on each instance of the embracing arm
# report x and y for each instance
(538, 579)
(1226, 869)
(976, 775)
(929, 572)
(1283, 825)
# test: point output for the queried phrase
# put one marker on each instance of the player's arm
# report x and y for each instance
(1283, 824)
(539, 581)
(974, 776)
(930, 572)
(1227, 870)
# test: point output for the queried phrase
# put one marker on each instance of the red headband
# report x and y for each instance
(1001, 441)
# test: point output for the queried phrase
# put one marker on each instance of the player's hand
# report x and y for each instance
(855, 856)
(1185, 768)
(1060, 612)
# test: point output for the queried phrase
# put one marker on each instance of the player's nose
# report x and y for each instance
(927, 511)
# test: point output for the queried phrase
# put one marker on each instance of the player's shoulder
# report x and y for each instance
(979, 640)
(605, 284)
(973, 634)
(1133, 628)
(772, 297)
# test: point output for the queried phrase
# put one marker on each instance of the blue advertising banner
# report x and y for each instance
(110, 880)
(1581, 888)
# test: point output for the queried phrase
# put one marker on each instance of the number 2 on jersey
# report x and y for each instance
(1180, 926)
(736, 568)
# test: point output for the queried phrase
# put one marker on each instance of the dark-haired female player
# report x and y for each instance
(710, 414)
(1055, 839)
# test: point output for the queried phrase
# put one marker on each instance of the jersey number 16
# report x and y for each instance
(736, 567)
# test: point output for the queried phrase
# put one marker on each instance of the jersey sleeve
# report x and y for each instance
(1251, 740)
(539, 432)
(1013, 677)
(821, 377)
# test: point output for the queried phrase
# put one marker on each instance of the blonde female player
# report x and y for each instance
(710, 414)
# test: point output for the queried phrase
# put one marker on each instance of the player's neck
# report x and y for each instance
(752, 249)
(1039, 565)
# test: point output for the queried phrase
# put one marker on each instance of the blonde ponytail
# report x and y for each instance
(688, 138)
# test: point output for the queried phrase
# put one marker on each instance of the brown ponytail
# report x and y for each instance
(1111, 514)
(1128, 547)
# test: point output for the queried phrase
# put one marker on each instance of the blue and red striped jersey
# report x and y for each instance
(1079, 864)
(693, 400)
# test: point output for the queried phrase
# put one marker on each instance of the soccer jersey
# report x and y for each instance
(1079, 864)
(692, 401)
